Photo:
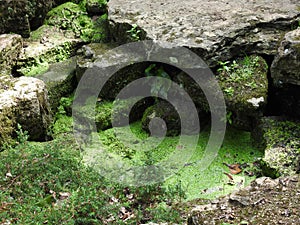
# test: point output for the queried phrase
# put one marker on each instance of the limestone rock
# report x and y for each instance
(215, 30)
(60, 80)
(46, 45)
(24, 102)
(10, 48)
(95, 57)
(286, 65)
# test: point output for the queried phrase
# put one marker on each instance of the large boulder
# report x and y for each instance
(23, 101)
(10, 49)
(286, 65)
(215, 30)
(95, 57)
(244, 83)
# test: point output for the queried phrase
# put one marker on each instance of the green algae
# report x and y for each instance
(209, 183)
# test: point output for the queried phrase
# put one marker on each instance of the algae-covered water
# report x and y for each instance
(214, 181)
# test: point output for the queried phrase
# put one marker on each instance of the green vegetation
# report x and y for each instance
(134, 33)
(70, 16)
(242, 80)
(49, 183)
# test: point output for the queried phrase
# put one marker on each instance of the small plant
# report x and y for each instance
(229, 91)
(224, 66)
(134, 32)
(22, 136)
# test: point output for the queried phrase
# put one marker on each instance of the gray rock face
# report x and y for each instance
(24, 102)
(286, 66)
(10, 48)
(216, 29)
(60, 80)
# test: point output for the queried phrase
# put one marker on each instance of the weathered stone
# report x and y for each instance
(281, 140)
(23, 16)
(96, 7)
(24, 102)
(46, 45)
(215, 30)
(286, 65)
(10, 48)
(60, 80)
(95, 58)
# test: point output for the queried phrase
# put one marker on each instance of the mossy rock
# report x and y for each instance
(7, 126)
(120, 112)
(71, 16)
(46, 45)
(60, 80)
(281, 140)
(244, 83)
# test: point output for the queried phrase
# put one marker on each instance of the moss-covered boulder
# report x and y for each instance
(281, 140)
(10, 48)
(119, 112)
(46, 45)
(60, 80)
(244, 83)
(73, 17)
(24, 101)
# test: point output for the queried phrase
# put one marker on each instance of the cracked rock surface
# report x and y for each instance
(215, 29)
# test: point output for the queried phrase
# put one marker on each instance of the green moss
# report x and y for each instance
(35, 68)
(281, 140)
(70, 16)
(7, 126)
(210, 183)
(244, 79)
(103, 115)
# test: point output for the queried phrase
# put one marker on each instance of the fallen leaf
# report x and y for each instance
(234, 168)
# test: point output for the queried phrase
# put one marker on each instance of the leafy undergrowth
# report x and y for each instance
(47, 183)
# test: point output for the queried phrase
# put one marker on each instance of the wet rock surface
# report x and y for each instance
(265, 201)
(215, 30)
